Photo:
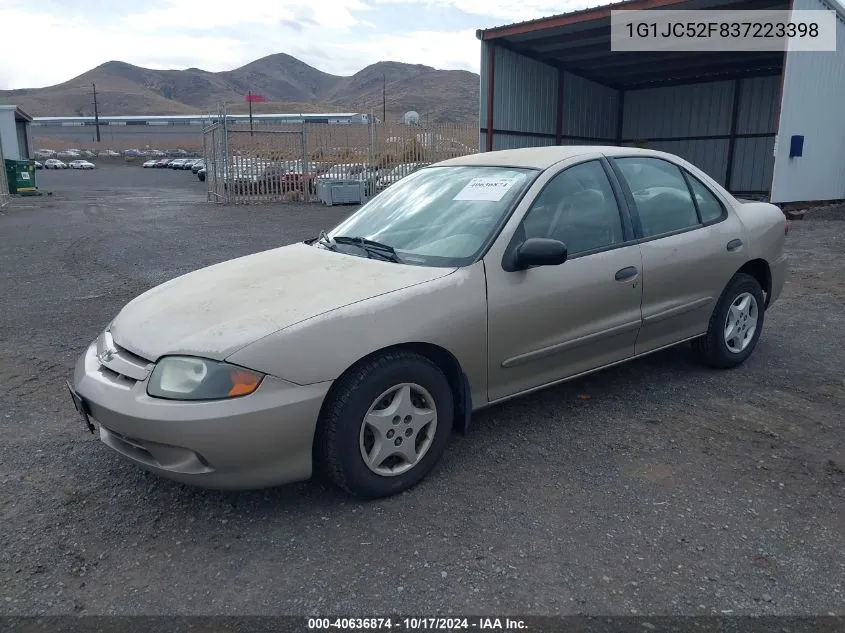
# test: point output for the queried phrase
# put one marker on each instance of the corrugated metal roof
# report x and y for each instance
(834, 5)
(18, 112)
(540, 21)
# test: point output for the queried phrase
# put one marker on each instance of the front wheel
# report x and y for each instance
(385, 426)
(735, 325)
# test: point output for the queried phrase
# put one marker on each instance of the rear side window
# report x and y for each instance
(661, 195)
(708, 204)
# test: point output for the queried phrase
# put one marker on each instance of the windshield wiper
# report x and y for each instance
(326, 241)
(370, 247)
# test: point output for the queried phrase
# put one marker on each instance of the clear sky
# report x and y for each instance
(50, 41)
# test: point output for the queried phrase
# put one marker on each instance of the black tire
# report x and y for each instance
(711, 349)
(337, 454)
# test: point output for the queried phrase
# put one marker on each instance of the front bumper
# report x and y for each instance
(260, 440)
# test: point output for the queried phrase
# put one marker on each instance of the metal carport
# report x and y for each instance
(556, 81)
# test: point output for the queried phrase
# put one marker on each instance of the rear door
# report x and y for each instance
(691, 247)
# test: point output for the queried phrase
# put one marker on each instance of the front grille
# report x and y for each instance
(119, 364)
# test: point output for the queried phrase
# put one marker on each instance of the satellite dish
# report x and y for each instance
(412, 118)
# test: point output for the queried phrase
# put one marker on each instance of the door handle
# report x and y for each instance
(627, 274)
(734, 245)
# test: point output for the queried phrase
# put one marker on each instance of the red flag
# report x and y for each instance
(251, 98)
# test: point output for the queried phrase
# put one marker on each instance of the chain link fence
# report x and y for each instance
(306, 162)
(214, 152)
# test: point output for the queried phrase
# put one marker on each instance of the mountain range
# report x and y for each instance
(288, 84)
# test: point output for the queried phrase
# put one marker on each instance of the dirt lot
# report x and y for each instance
(671, 490)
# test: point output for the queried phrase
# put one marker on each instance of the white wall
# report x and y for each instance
(9, 135)
(813, 106)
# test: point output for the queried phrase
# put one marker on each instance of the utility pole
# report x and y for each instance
(96, 113)
(249, 98)
(383, 99)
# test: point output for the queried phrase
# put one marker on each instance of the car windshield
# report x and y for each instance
(440, 216)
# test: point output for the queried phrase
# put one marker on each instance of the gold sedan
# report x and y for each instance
(464, 284)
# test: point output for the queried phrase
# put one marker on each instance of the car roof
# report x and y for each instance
(544, 157)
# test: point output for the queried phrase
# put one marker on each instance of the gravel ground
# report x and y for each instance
(672, 489)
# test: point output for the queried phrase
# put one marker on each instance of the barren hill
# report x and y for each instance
(286, 82)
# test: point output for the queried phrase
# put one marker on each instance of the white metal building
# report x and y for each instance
(556, 81)
(15, 138)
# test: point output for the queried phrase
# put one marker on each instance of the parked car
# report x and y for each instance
(292, 176)
(80, 164)
(176, 163)
(54, 163)
(73, 154)
(463, 285)
(150, 164)
(395, 174)
(108, 153)
(201, 174)
(162, 163)
(38, 165)
(247, 177)
(197, 165)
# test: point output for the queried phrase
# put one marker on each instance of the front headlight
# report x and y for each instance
(189, 378)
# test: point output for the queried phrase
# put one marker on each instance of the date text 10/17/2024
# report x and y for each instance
(417, 624)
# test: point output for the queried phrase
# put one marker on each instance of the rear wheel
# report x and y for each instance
(735, 326)
(385, 426)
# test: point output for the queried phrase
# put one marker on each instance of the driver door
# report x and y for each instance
(548, 323)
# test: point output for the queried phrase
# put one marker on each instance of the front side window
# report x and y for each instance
(578, 208)
(661, 195)
(440, 216)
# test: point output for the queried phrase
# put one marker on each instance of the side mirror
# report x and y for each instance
(537, 251)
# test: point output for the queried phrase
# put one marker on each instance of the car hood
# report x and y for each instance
(214, 311)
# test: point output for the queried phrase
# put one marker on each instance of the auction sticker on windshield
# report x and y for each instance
(487, 188)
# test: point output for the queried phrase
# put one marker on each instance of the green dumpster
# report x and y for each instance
(21, 176)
